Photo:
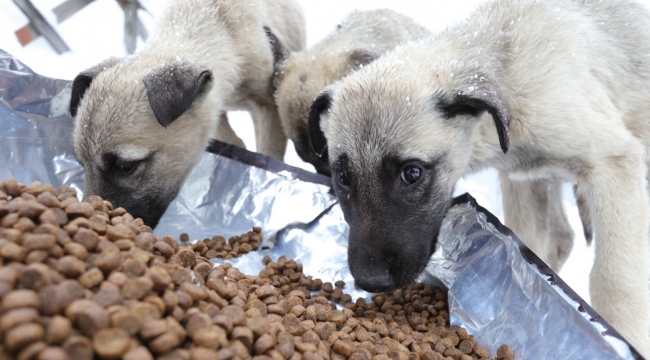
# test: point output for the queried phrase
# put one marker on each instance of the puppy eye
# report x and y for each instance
(410, 175)
(343, 178)
(128, 168)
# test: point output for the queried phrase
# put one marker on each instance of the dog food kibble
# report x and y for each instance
(81, 280)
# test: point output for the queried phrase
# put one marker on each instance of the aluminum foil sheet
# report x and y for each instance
(498, 289)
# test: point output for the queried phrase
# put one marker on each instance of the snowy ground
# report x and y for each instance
(96, 32)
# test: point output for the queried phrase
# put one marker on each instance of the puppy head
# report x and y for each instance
(299, 79)
(398, 140)
(139, 130)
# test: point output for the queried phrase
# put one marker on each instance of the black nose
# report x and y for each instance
(374, 283)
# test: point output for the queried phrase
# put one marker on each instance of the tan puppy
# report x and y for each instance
(552, 90)
(359, 39)
(143, 122)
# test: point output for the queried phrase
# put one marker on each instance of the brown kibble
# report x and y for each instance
(58, 330)
(481, 352)
(87, 238)
(243, 334)
(19, 299)
(53, 353)
(71, 267)
(111, 343)
(91, 278)
(31, 351)
(23, 335)
(13, 252)
(505, 352)
(344, 347)
(38, 241)
(152, 329)
(108, 260)
(126, 321)
(137, 288)
(164, 343)
(77, 250)
(138, 353)
(79, 348)
(78, 209)
(134, 291)
(213, 337)
(87, 316)
(263, 344)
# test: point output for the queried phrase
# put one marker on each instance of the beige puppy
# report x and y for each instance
(143, 122)
(359, 39)
(551, 90)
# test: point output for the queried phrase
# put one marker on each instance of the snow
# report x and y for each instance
(96, 33)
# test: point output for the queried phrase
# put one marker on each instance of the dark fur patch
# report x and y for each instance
(359, 58)
(172, 89)
(484, 96)
(322, 103)
(393, 228)
(306, 153)
(82, 82)
(280, 53)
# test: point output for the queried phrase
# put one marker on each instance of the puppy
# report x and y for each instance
(359, 39)
(551, 90)
(143, 122)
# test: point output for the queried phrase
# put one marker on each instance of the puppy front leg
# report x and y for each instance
(269, 136)
(561, 234)
(226, 133)
(615, 191)
(525, 210)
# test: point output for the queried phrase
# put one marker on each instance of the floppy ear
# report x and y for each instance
(280, 53)
(474, 101)
(321, 104)
(81, 83)
(173, 88)
(359, 58)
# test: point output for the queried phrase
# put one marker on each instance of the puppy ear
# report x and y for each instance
(359, 58)
(81, 82)
(321, 105)
(477, 98)
(173, 88)
(280, 53)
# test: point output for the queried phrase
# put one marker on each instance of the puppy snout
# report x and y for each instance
(375, 282)
(371, 273)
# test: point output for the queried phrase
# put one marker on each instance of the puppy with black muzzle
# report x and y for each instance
(143, 122)
(540, 90)
(359, 39)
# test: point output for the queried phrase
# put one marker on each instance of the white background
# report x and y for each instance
(96, 32)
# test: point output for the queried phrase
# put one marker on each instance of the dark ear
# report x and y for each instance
(81, 83)
(280, 53)
(171, 89)
(359, 58)
(476, 99)
(321, 104)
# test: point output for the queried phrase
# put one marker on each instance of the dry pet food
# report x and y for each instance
(81, 280)
(218, 247)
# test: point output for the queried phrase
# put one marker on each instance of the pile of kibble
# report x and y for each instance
(81, 280)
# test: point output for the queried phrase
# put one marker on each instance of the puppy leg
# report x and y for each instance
(525, 210)
(225, 133)
(585, 216)
(561, 234)
(269, 135)
(615, 191)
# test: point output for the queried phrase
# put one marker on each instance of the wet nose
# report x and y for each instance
(373, 282)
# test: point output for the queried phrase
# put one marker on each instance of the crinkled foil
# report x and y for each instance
(498, 289)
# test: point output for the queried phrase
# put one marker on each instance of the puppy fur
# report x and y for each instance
(143, 122)
(551, 90)
(359, 39)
